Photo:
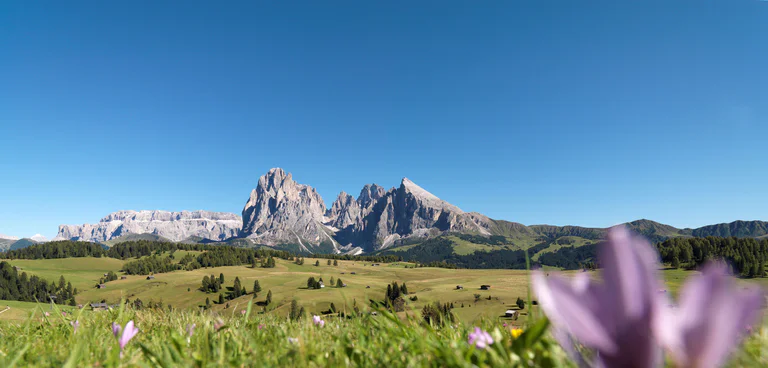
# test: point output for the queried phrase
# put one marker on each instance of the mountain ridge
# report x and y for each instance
(281, 212)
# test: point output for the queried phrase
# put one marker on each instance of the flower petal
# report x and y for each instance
(570, 309)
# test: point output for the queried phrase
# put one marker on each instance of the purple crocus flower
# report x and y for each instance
(615, 317)
(75, 324)
(318, 321)
(128, 333)
(481, 339)
(116, 329)
(710, 319)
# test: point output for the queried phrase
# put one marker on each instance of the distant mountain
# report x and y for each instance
(39, 238)
(6, 237)
(22, 243)
(175, 226)
(740, 229)
(284, 214)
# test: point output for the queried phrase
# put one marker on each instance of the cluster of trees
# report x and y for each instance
(479, 239)
(268, 263)
(57, 249)
(380, 258)
(394, 297)
(150, 265)
(571, 258)
(238, 290)
(745, 256)
(438, 314)
(141, 248)
(212, 284)
(297, 312)
(314, 284)
(32, 288)
(299, 261)
(111, 276)
(139, 304)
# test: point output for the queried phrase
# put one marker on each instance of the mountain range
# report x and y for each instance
(13, 242)
(284, 214)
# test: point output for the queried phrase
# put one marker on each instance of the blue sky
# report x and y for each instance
(559, 112)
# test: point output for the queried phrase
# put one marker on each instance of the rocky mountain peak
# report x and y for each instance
(175, 226)
(280, 210)
(370, 194)
(344, 212)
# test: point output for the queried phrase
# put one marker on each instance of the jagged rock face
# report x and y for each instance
(344, 212)
(369, 195)
(175, 226)
(280, 210)
(404, 212)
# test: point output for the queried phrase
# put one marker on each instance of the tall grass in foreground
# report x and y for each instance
(264, 340)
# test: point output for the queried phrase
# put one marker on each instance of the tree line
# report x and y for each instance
(746, 257)
(15, 286)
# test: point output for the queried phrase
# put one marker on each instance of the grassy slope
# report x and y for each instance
(288, 281)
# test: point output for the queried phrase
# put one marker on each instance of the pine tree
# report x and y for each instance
(256, 287)
(335, 262)
(404, 289)
(207, 303)
(329, 262)
(269, 297)
(221, 298)
(206, 283)
(294, 314)
(221, 278)
(317, 263)
(339, 283)
(237, 288)
(311, 282)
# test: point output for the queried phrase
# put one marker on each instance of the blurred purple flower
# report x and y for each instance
(47, 314)
(710, 319)
(242, 312)
(615, 317)
(481, 339)
(318, 321)
(191, 329)
(261, 326)
(128, 333)
(116, 329)
(218, 324)
(75, 324)
(64, 314)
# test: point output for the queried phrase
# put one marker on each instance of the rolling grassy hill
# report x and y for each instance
(287, 281)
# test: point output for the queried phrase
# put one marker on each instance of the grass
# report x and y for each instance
(265, 340)
(262, 338)
(287, 281)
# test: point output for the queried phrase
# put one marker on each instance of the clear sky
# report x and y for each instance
(562, 112)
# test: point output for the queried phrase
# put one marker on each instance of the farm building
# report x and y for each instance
(150, 277)
(343, 285)
(123, 277)
(510, 313)
(459, 287)
(485, 287)
(99, 306)
(101, 286)
(353, 273)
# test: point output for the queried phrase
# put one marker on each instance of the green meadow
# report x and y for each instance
(288, 281)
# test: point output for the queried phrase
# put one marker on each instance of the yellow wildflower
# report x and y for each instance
(516, 332)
